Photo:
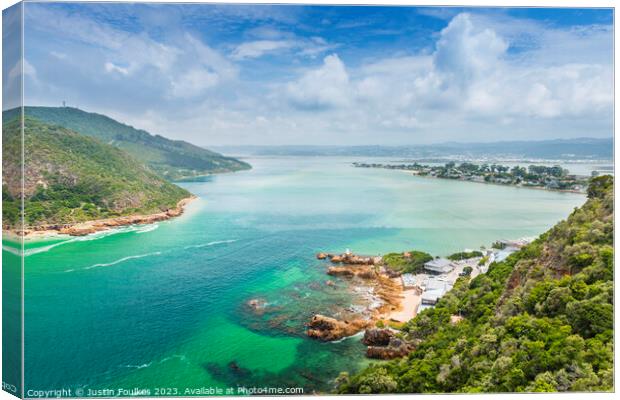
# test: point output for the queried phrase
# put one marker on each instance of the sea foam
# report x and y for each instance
(120, 260)
(147, 228)
(197, 246)
(87, 238)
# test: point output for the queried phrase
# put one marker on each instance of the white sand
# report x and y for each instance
(408, 307)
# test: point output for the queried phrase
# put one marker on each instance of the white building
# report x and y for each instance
(410, 281)
(439, 266)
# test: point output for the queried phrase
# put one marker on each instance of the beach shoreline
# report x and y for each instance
(88, 227)
(408, 307)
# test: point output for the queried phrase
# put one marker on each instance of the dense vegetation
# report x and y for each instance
(408, 262)
(73, 178)
(542, 320)
(171, 159)
(463, 255)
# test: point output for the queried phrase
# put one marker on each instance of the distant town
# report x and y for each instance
(534, 176)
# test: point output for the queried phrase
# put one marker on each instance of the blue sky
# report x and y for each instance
(215, 75)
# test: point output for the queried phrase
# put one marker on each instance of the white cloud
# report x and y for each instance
(466, 53)
(305, 47)
(258, 48)
(194, 82)
(207, 69)
(58, 55)
(16, 72)
(483, 76)
(184, 66)
(196, 50)
(324, 87)
(113, 68)
(470, 79)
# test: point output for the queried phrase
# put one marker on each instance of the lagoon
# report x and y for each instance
(164, 305)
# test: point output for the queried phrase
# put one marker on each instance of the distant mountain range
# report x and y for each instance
(171, 159)
(558, 149)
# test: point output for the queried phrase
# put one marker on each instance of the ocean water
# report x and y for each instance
(163, 307)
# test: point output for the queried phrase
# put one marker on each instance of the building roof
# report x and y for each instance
(432, 295)
(433, 284)
(409, 280)
(441, 265)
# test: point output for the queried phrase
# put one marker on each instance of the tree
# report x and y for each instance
(599, 186)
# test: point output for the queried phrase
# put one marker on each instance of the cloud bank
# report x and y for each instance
(481, 77)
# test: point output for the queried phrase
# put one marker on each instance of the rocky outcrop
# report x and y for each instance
(396, 348)
(350, 258)
(391, 273)
(366, 273)
(328, 329)
(340, 271)
(377, 337)
(337, 259)
(352, 270)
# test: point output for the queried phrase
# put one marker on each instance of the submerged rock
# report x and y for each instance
(257, 305)
(328, 329)
(237, 370)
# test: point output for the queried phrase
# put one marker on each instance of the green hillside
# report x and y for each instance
(172, 159)
(542, 320)
(72, 178)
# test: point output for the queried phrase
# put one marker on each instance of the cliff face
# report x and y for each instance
(71, 178)
(542, 320)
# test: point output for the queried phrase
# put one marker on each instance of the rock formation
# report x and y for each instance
(377, 337)
(327, 328)
(352, 270)
(350, 258)
(396, 348)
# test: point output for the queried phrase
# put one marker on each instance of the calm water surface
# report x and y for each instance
(163, 306)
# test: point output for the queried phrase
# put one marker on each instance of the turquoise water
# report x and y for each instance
(164, 306)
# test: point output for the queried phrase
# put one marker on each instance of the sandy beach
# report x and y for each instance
(88, 227)
(408, 309)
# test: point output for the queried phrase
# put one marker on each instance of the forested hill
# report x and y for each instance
(171, 159)
(73, 178)
(542, 320)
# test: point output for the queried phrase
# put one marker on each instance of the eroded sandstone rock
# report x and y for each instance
(396, 348)
(377, 337)
(328, 329)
